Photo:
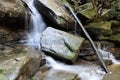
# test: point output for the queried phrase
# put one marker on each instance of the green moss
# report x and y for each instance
(115, 38)
(61, 20)
(3, 77)
(116, 9)
(72, 56)
(103, 37)
(101, 24)
(100, 28)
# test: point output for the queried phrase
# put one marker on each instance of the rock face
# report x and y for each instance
(11, 9)
(55, 11)
(61, 44)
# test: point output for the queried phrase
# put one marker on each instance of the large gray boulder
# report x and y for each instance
(61, 44)
(55, 11)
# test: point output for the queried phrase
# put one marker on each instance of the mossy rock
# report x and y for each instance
(61, 44)
(15, 63)
(115, 38)
(98, 30)
(87, 10)
(3, 77)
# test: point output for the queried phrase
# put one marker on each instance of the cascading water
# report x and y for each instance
(37, 25)
(107, 55)
(88, 72)
(85, 72)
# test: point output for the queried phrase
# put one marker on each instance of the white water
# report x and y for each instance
(85, 72)
(107, 55)
(37, 25)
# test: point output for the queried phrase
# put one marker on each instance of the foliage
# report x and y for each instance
(116, 9)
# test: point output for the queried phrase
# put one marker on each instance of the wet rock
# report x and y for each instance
(11, 11)
(60, 75)
(56, 12)
(116, 52)
(17, 63)
(55, 75)
(115, 73)
(87, 52)
(61, 44)
(98, 30)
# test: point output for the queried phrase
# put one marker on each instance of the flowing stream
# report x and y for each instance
(85, 72)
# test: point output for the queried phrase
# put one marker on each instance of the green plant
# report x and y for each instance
(116, 9)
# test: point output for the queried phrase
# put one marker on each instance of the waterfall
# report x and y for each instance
(37, 25)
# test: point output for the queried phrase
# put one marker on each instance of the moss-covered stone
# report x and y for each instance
(115, 38)
(87, 10)
(99, 30)
(61, 44)
(3, 77)
(15, 63)
(10, 68)
(90, 13)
